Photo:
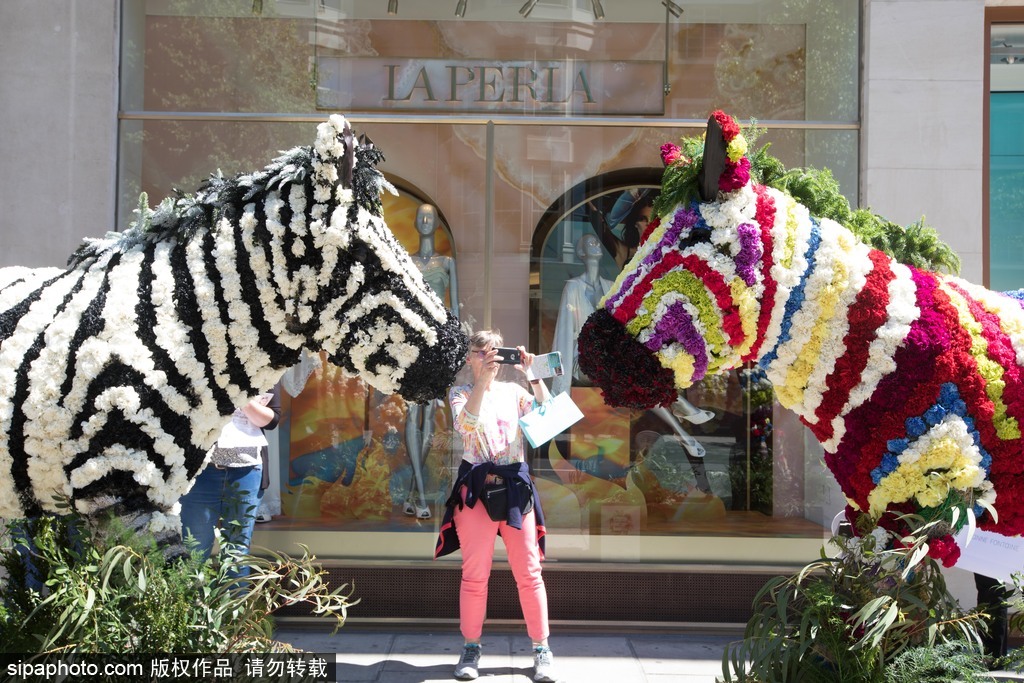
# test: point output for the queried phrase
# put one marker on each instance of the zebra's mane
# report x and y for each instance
(916, 244)
(183, 215)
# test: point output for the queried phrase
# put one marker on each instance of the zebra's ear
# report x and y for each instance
(713, 165)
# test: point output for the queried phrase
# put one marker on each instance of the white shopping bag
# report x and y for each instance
(991, 554)
(550, 418)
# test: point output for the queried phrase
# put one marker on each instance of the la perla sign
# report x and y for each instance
(568, 87)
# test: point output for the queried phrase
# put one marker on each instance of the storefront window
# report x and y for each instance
(527, 134)
(1006, 157)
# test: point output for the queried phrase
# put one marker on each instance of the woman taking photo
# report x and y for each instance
(493, 494)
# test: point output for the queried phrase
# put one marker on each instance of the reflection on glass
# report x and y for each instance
(439, 273)
(619, 473)
(358, 459)
(1006, 190)
(629, 472)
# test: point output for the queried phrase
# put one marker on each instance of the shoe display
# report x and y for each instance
(468, 667)
(544, 665)
(416, 511)
(685, 410)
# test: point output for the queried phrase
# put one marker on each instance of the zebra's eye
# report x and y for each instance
(360, 253)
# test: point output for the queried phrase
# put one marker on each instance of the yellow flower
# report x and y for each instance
(737, 148)
(940, 467)
(682, 366)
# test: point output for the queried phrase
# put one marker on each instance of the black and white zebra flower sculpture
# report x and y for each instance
(117, 374)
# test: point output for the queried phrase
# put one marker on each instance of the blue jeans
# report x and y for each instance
(228, 498)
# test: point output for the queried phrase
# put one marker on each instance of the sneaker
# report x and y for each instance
(543, 665)
(468, 667)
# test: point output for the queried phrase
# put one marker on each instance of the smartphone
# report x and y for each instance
(508, 356)
(546, 365)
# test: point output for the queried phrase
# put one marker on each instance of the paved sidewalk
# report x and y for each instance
(419, 657)
(412, 656)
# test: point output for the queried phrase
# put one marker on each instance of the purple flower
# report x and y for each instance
(750, 253)
(677, 325)
(684, 219)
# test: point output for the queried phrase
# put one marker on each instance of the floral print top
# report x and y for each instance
(494, 435)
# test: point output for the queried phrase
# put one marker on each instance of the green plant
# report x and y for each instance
(1014, 659)
(847, 618)
(916, 244)
(70, 588)
(944, 663)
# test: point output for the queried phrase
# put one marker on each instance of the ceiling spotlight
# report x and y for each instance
(460, 9)
(392, 7)
(1010, 60)
(598, 10)
(672, 7)
(527, 7)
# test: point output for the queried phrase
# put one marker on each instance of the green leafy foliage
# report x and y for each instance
(943, 663)
(1014, 659)
(850, 617)
(70, 589)
(916, 244)
(679, 182)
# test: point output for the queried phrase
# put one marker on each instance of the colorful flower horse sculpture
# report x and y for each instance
(117, 374)
(912, 381)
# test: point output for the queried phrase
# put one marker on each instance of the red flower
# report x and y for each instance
(651, 227)
(730, 128)
(626, 371)
(944, 549)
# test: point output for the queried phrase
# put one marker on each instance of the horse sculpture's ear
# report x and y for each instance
(713, 165)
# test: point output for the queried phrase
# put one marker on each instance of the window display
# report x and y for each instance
(357, 455)
(516, 188)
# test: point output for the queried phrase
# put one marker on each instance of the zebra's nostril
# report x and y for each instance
(626, 371)
(435, 370)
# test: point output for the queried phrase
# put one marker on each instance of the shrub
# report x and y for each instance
(848, 618)
(70, 589)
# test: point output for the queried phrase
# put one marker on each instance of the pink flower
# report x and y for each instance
(736, 175)
(670, 153)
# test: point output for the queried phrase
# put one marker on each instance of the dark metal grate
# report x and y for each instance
(420, 592)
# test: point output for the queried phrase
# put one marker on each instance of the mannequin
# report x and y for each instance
(439, 274)
(580, 298)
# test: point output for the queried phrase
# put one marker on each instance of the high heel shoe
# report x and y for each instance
(412, 510)
(692, 446)
(685, 410)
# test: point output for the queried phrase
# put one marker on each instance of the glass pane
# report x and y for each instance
(727, 460)
(794, 60)
(1006, 191)
(218, 56)
(160, 155)
(227, 84)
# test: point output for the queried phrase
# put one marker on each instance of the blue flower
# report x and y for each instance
(934, 415)
(915, 427)
(948, 394)
(897, 446)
